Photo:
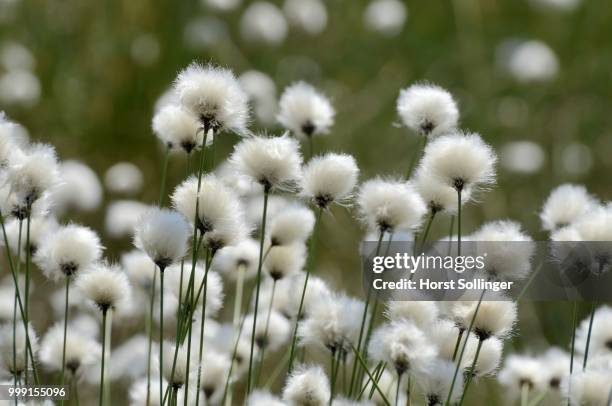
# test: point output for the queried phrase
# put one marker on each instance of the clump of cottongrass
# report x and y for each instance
(81, 351)
(427, 110)
(329, 178)
(390, 205)
(403, 346)
(522, 375)
(292, 225)
(214, 97)
(307, 385)
(13, 351)
(108, 288)
(305, 111)
(177, 129)
(435, 382)
(566, 204)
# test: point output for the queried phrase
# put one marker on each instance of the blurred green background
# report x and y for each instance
(101, 66)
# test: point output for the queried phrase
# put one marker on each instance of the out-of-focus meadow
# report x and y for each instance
(533, 77)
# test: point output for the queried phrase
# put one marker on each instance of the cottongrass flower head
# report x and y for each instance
(81, 351)
(124, 178)
(522, 371)
(107, 286)
(139, 268)
(145, 393)
(556, 365)
(402, 345)
(601, 333)
(443, 334)
(460, 160)
(292, 225)
(179, 377)
(489, 357)
(596, 225)
(215, 368)
(427, 109)
(261, 397)
(509, 251)
(34, 173)
(305, 111)
(214, 97)
(242, 257)
(309, 16)
(589, 388)
(422, 313)
(390, 205)
(565, 205)
(122, 217)
(6, 347)
(263, 22)
(329, 178)
(288, 303)
(327, 324)
(80, 188)
(438, 196)
(277, 333)
(436, 381)
(285, 261)
(495, 317)
(163, 235)
(273, 162)
(68, 251)
(177, 129)
(307, 386)
(40, 228)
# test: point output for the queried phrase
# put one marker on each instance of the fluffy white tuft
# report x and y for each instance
(436, 381)
(307, 385)
(139, 268)
(601, 333)
(242, 257)
(494, 317)
(40, 228)
(6, 347)
(422, 313)
(177, 129)
(427, 109)
(519, 370)
(263, 398)
(81, 351)
(590, 387)
(329, 178)
(305, 111)
(438, 196)
(107, 286)
(270, 334)
(565, 205)
(293, 224)
(162, 234)
(285, 261)
(81, 188)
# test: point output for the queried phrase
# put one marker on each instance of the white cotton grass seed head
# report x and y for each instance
(601, 333)
(260, 397)
(288, 303)
(403, 346)
(139, 268)
(214, 97)
(494, 317)
(254, 209)
(309, 16)
(263, 23)
(240, 184)
(596, 225)
(273, 162)
(304, 111)
(12, 206)
(489, 357)
(177, 129)
(291, 225)
(163, 235)
(122, 216)
(438, 196)
(509, 250)
(566, 204)
(20, 345)
(81, 351)
(385, 17)
(123, 178)
(390, 205)
(428, 110)
(285, 261)
(329, 178)
(107, 286)
(461, 160)
(307, 385)
(216, 369)
(556, 366)
(68, 251)
(40, 228)
(243, 257)
(277, 333)
(590, 387)
(436, 381)
(327, 325)
(443, 334)
(180, 367)
(519, 370)
(422, 313)
(81, 188)
(146, 393)
(34, 173)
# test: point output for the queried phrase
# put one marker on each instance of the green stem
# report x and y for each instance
(471, 372)
(524, 395)
(588, 343)
(149, 327)
(266, 326)
(65, 333)
(202, 325)
(335, 366)
(450, 234)
(258, 284)
(397, 386)
(101, 396)
(419, 147)
(27, 281)
(161, 333)
(164, 177)
(379, 367)
(457, 343)
(458, 221)
(427, 228)
(365, 367)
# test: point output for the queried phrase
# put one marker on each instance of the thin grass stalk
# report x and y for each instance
(310, 264)
(573, 348)
(380, 366)
(432, 215)
(365, 367)
(74, 386)
(263, 348)
(524, 395)
(409, 391)
(467, 336)
(335, 366)
(15, 324)
(14, 342)
(65, 333)
(238, 297)
(457, 343)
(161, 332)
(590, 331)
(27, 280)
(471, 371)
(202, 325)
(397, 387)
(415, 157)
(364, 318)
(149, 328)
(101, 396)
(450, 233)
(258, 284)
(458, 221)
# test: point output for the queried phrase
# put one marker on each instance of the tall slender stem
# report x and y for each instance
(65, 333)
(590, 331)
(101, 397)
(263, 348)
(164, 177)
(450, 233)
(161, 333)
(365, 368)
(258, 283)
(202, 325)
(27, 280)
(15, 324)
(432, 215)
(457, 343)
(397, 387)
(335, 366)
(524, 395)
(415, 157)
(458, 221)
(149, 326)
(472, 371)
